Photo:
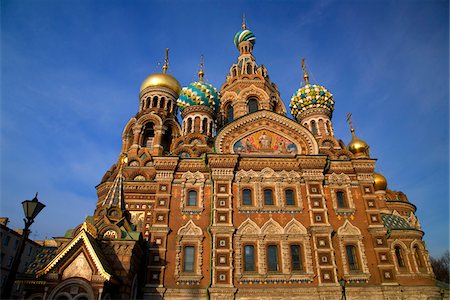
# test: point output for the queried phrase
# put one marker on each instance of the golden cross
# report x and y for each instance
(305, 75)
(244, 26)
(201, 73)
(349, 121)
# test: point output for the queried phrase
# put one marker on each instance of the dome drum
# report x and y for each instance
(312, 112)
(197, 108)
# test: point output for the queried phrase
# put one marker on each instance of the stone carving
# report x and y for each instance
(348, 229)
(190, 229)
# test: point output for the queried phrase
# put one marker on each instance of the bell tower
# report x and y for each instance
(247, 88)
(155, 125)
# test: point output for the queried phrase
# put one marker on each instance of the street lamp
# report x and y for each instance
(31, 209)
(342, 284)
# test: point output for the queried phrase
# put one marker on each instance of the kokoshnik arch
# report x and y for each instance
(238, 200)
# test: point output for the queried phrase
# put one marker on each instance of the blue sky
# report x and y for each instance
(71, 72)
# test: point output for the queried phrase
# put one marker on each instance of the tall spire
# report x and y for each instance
(201, 73)
(305, 75)
(244, 26)
(166, 61)
(115, 193)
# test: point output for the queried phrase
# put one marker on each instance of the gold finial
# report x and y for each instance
(350, 122)
(305, 75)
(166, 61)
(244, 26)
(201, 73)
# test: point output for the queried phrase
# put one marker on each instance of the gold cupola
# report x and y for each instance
(162, 79)
(357, 146)
(379, 182)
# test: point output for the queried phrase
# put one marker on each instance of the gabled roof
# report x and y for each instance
(395, 222)
(93, 248)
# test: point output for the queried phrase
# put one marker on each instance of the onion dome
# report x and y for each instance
(380, 182)
(310, 96)
(357, 146)
(162, 79)
(199, 93)
(244, 35)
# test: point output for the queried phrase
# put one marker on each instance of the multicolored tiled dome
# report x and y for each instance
(199, 93)
(244, 35)
(311, 96)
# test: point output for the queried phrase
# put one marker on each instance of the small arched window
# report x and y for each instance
(189, 125)
(313, 127)
(192, 198)
(268, 197)
(205, 126)
(341, 201)
(252, 105)
(163, 103)
(247, 197)
(328, 127)
(399, 257)
(155, 101)
(249, 258)
(351, 257)
(418, 257)
(230, 113)
(289, 195)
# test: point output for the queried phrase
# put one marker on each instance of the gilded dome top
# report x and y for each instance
(161, 79)
(357, 146)
(311, 96)
(380, 182)
(199, 93)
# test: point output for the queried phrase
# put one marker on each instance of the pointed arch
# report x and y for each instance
(348, 229)
(295, 227)
(271, 227)
(190, 229)
(248, 227)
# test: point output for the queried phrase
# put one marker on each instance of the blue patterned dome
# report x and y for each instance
(311, 96)
(199, 93)
(244, 35)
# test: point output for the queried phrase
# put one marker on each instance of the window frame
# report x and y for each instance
(272, 196)
(399, 257)
(244, 265)
(244, 198)
(294, 202)
(254, 102)
(344, 200)
(277, 257)
(190, 246)
(188, 203)
(355, 266)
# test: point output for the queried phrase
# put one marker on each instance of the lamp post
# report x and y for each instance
(31, 209)
(342, 284)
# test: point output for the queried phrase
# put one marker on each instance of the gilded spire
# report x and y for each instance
(166, 61)
(201, 73)
(244, 26)
(115, 193)
(305, 75)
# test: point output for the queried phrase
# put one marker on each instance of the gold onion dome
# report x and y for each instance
(357, 146)
(380, 182)
(162, 79)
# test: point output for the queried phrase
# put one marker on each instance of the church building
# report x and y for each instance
(234, 199)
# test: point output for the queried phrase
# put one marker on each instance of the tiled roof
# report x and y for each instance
(41, 260)
(395, 222)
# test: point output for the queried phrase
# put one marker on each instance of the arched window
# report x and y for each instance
(341, 200)
(249, 68)
(247, 197)
(189, 125)
(289, 195)
(192, 198)
(272, 258)
(205, 126)
(268, 197)
(188, 258)
(296, 258)
(249, 258)
(352, 258)
(418, 257)
(163, 103)
(329, 127)
(169, 105)
(252, 105)
(399, 257)
(313, 127)
(230, 113)
(149, 134)
(155, 101)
